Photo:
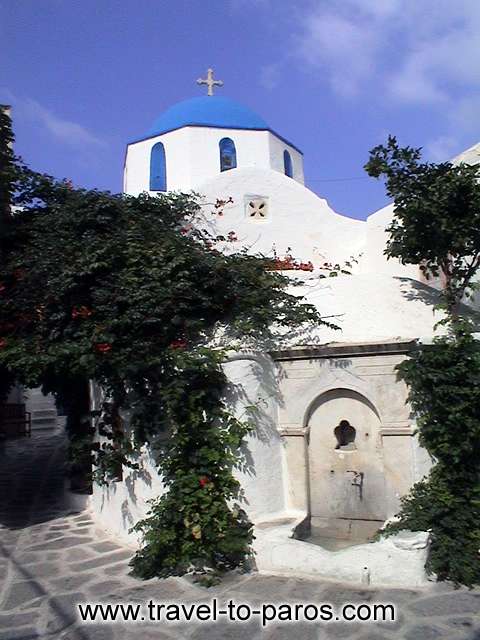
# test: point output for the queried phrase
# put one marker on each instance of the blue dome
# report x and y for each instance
(207, 111)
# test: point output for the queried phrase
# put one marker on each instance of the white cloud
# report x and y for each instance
(416, 51)
(401, 52)
(341, 47)
(65, 131)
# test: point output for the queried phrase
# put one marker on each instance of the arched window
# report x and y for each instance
(158, 169)
(228, 154)
(287, 164)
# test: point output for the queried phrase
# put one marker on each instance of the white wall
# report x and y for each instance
(192, 156)
(120, 505)
(252, 380)
(297, 217)
(374, 259)
(277, 147)
(469, 156)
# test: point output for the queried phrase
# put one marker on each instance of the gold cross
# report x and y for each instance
(210, 82)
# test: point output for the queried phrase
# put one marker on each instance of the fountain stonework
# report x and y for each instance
(348, 491)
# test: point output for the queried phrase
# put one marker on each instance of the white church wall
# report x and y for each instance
(277, 148)
(374, 259)
(297, 218)
(192, 156)
(252, 381)
(469, 156)
(178, 163)
(119, 505)
(251, 150)
(369, 307)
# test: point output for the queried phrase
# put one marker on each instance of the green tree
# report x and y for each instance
(436, 221)
(7, 182)
(132, 293)
(7, 165)
(436, 225)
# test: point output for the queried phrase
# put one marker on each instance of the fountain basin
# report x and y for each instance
(397, 561)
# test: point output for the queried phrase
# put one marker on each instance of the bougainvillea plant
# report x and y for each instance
(436, 225)
(129, 292)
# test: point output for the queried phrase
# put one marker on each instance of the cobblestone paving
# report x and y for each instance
(53, 556)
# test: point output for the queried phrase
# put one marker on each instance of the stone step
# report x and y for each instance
(43, 413)
(39, 425)
(45, 420)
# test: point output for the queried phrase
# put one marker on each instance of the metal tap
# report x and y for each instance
(357, 477)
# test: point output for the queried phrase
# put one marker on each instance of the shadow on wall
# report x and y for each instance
(416, 290)
(252, 395)
(134, 482)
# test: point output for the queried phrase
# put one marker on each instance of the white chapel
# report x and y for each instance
(334, 449)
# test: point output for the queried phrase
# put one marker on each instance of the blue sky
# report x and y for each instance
(334, 77)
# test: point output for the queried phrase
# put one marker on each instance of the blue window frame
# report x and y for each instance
(228, 154)
(287, 164)
(158, 168)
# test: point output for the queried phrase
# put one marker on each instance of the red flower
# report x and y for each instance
(203, 481)
(3, 343)
(103, 347)
(178, 344)
(81, 312)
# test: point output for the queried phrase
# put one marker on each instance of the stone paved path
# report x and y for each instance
(53, 556)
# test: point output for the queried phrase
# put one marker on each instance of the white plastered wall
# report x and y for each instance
(374, 259)
(277, 148)
(297, 217)
(192, 156)
(251, 381)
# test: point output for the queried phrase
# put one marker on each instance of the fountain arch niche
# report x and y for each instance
(347, 493)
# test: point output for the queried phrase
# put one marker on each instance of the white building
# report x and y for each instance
(302, 470)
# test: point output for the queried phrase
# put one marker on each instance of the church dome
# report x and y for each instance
(208, 111)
